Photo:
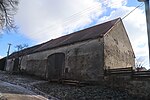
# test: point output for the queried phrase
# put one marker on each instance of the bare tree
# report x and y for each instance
(140, 62)
(8, 9)
(21, 46)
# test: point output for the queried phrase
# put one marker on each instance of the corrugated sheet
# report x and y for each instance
(86, 34)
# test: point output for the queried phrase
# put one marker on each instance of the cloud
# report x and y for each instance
(42, 21)
(1, 57)
(115, 3)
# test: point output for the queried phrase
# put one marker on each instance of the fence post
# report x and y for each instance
(132, 72)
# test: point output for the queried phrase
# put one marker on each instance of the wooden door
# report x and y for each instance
(16, 64)
(55, 65)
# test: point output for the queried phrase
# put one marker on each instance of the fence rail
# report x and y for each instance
(141, 74)
(127, 71)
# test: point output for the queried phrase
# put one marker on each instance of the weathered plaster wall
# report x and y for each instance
(117, 48)
(10, 64)
(83, 60)
(86, 61)
(2, 63)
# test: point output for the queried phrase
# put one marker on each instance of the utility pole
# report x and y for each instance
(147, 10)
(9, 44)
(8, 49)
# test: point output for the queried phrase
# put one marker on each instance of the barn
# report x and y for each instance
(82, 55)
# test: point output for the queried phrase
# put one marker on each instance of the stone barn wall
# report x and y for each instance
(2, 63)
(10, 64)
(83, 61)
(13, 64)
(117, 48)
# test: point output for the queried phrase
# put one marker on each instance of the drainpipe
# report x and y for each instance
(147, 10)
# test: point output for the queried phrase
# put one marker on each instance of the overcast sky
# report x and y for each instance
(42, 20)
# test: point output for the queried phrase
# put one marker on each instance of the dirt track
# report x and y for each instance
(14, 92)
(19, 87)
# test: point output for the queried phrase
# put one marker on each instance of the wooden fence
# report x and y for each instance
(123, 71)
(127, 71)
(141, 74)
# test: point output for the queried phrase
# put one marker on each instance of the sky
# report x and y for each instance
(41, 20)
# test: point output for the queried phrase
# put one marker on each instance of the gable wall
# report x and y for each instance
(117, 48)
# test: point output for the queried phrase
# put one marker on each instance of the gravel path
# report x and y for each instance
(66, 92)
(10, 91)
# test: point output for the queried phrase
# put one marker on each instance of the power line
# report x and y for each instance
(73, 18)
(140, 5)
(70, 19)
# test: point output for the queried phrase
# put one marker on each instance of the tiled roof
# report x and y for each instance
(86, 34)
